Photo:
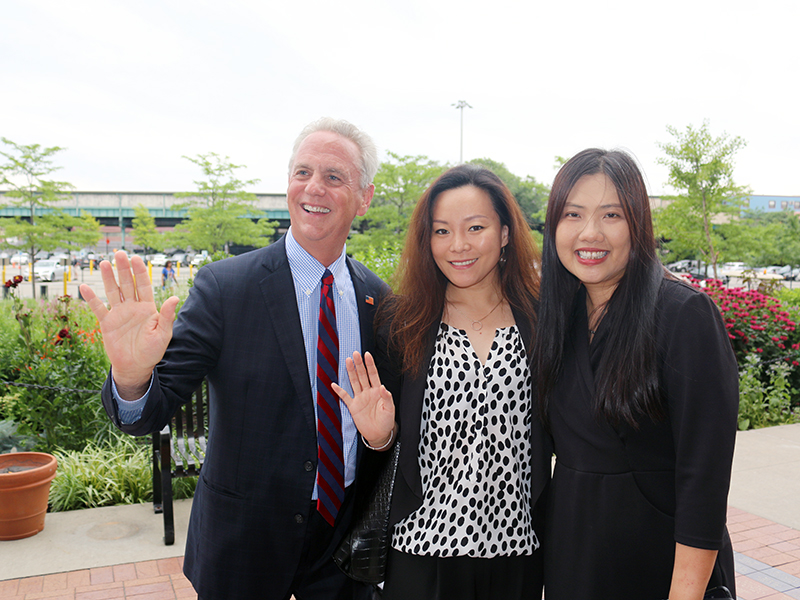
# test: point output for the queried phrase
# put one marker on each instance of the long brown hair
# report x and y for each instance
(420, 290)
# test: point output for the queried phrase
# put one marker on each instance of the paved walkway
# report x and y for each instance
(148, 580)
(121, 554)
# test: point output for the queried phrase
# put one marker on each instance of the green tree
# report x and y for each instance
(399, 183)
(144, 230)
(701, 169)
(401, 180)
(530, 194)
(26, 175)
(221, 212)
(760, 238)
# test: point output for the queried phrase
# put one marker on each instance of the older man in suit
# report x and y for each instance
(274, 495)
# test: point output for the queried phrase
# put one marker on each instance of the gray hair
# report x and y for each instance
(367, 149)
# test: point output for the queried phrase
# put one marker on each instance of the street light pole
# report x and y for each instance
(461, 104)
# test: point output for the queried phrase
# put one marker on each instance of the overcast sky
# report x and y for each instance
(129, 87)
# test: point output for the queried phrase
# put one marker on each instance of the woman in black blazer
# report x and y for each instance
(638, 385)
(453, 356)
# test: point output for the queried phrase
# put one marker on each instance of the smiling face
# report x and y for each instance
(467, 237)
(593, 239)
(325, 194)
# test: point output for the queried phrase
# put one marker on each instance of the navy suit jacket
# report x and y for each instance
(240, 329)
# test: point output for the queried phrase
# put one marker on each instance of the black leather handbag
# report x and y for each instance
(363, 551)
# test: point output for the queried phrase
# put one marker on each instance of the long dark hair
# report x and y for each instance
(420, 289)
(626, 383)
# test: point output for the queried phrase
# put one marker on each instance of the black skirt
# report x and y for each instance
(413, 577)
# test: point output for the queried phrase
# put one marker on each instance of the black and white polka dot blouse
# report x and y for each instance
(474, 452)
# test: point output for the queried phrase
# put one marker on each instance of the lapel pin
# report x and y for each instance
(370, 300)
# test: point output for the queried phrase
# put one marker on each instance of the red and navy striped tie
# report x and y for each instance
(330, 468)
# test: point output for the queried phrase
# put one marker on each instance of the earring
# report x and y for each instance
(503, 258)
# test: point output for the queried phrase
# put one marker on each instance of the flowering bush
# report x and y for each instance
(54, 366)
(759, 324)
(756, 323)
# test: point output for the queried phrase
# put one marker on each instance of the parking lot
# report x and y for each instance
(56, 288)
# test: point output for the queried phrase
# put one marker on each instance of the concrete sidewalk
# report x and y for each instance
(766, 474)
(122, 547)
(96, 537)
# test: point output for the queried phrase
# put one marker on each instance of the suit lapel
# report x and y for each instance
(367, 301)
(278, 292)
(366, 304)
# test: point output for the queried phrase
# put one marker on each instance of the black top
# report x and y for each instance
(621, 497)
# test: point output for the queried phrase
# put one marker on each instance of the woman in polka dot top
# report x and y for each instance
(451, 379)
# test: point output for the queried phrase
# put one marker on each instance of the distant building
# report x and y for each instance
(115, 212)
(773, 203)
(767, 204)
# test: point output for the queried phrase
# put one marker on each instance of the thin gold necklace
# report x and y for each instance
(477, 325)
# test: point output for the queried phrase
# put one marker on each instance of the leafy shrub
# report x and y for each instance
(763, 405)
(11, 441)
(116, 471)
(381, 260)
(9, 340)
(789, 297)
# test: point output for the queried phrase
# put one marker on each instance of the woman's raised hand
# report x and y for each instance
(371, 406)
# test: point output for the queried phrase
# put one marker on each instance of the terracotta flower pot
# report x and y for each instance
(24, 489)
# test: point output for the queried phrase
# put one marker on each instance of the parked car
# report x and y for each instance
(734, 269)
(49, 270)
(700, 273)
(735, 266)
(19, 259)
(785, 270)
(84, 261)
(200, 258)
(685, 266)
(159, 260)
(180, 258)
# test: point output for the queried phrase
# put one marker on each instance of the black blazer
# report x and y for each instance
(408, 393)
(240, 328)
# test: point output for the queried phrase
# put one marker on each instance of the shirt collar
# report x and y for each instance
(306, 270)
